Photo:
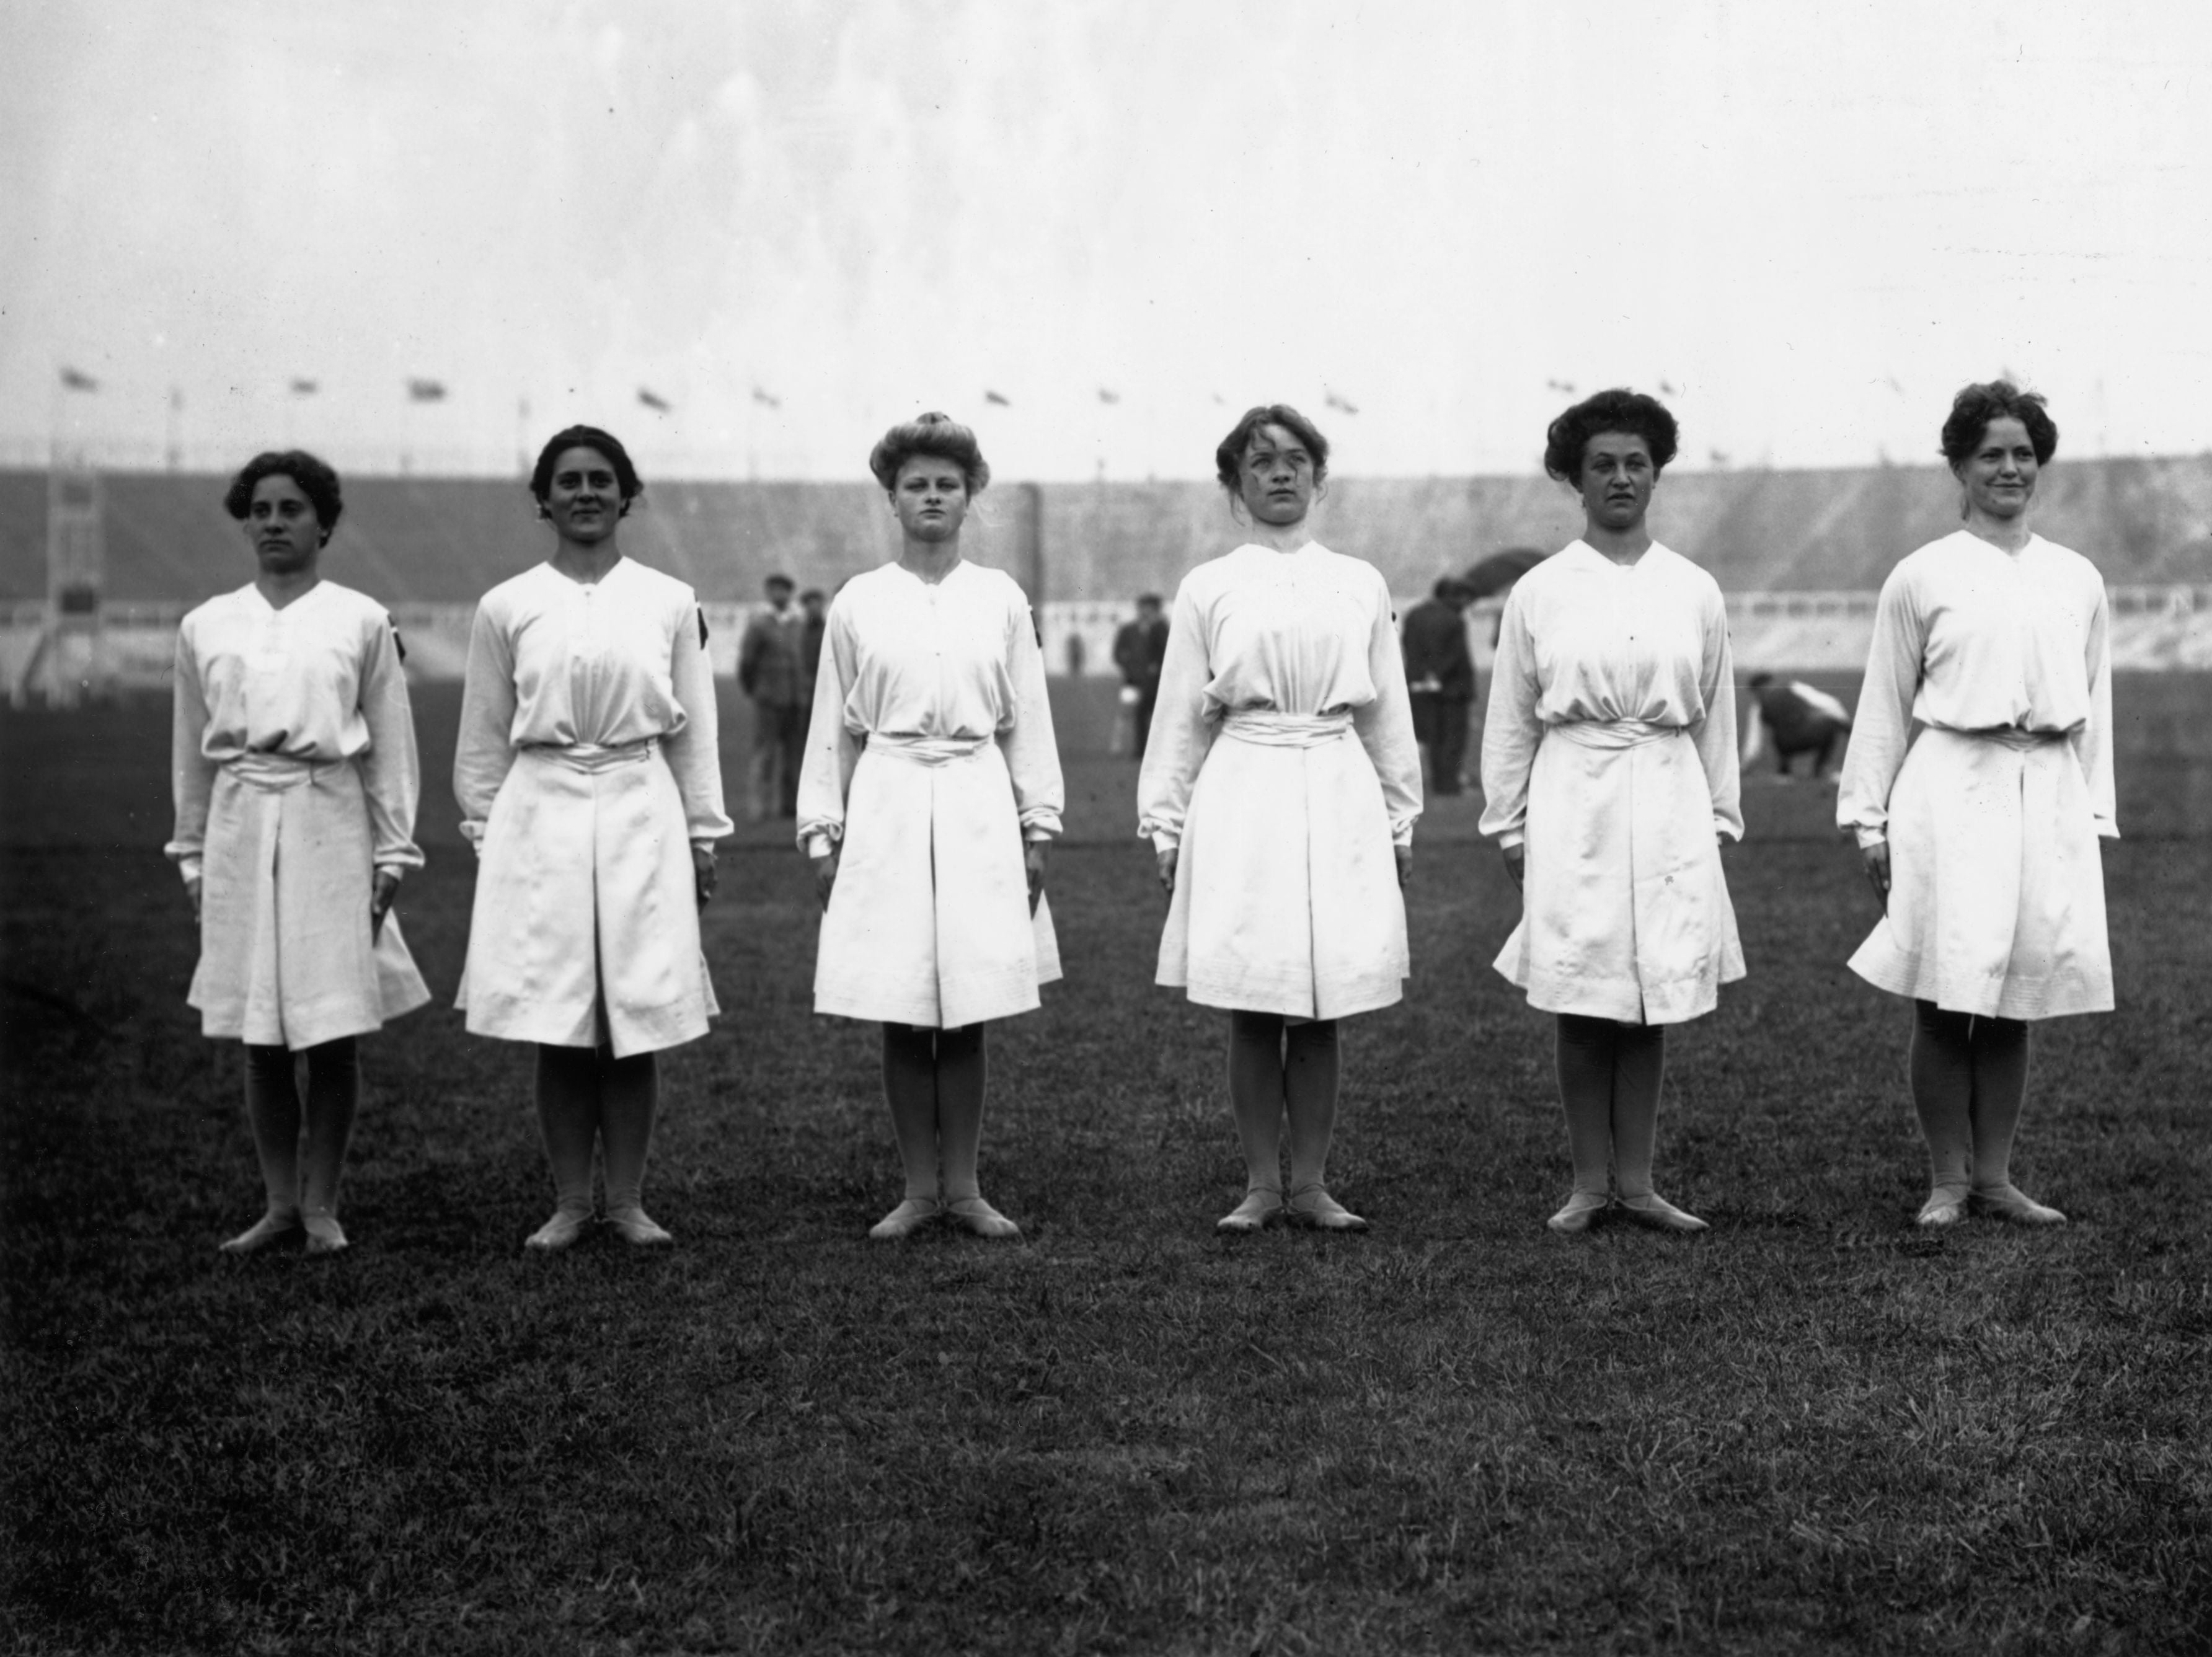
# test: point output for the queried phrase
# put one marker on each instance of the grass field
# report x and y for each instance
(1812, 1430)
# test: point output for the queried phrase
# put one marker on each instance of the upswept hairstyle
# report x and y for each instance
(1977, 405)
(932, 433)
(1619, 410)
(1229, 456)
(586, 437)
(315, 478)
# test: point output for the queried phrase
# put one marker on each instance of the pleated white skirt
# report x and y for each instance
(1287, 896)
(585, 894)
(287, 959)
(1625, 910)
(929, 921)
(1997, 896)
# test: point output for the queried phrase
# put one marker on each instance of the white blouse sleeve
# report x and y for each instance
(1032, 755)
(825, 773)
(1714, 734)
(1385, 726)
(192, 773)
(391, 774)
(2093, 742)
(485, 752)
(695, 753)
(1181, 734)
(1881, 725)
(1510, 729)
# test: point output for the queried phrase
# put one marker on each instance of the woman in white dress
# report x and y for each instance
(1280, 785)
(295, 783)
(1980, 835)
(929, 794)
(590, 784)
(1609, 764)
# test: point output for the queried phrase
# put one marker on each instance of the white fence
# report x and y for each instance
(2154, 630)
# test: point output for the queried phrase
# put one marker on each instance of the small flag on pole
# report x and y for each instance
(305, 387)
(1106, 396)
(76, 380)
(426, 391)
(652, 400)
(993, 397)
(765, 399)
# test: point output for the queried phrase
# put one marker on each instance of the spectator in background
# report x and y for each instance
(1140, 647)
(769, 672)
(1802, 718)
(1440, 677)
(296, 784)
(814, 621)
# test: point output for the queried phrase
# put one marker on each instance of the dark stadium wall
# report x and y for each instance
(446, 540)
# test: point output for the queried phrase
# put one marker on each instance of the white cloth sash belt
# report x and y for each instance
(926, 750)
(591, 756)
(1270, 729)
(1614, 733)
(274, 773)
(2012, 736)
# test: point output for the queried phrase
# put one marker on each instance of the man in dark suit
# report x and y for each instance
(769, 672)
(1140, 647)
(1440, 675)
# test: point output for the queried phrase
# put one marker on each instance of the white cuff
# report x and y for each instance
(1511, 838)
(818, 844)
(190, 869)
(1876, 836)
(1166, 839)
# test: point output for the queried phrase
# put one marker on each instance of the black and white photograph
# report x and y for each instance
(945, 826)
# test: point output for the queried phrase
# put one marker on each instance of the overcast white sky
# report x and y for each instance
(1813, 221)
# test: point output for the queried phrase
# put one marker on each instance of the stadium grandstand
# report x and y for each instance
(1800, 553)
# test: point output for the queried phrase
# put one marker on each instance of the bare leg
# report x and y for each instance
(630, 1097)
(2000, 1094)
(1942, 1068)
(333, 1095)
(272, 1110)
(569, 1118)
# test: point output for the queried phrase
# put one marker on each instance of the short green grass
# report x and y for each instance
(1812, 1430)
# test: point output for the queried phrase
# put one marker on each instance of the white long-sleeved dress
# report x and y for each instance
(1996, 899)
(930, 760)
(295, 780)
(586, 768)
(1609, 750)
(1282, 767)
